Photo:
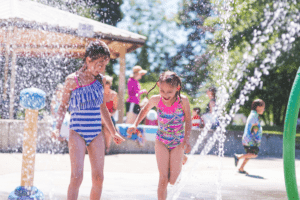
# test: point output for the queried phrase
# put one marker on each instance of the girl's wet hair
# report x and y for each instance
(256, 103)
(171, 78)
(96, 49)
(198, 110)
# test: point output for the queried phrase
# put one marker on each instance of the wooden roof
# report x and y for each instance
(34, 29)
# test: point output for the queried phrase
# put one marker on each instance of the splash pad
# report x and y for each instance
(216, 136)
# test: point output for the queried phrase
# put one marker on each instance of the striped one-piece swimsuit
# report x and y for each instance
(170, 124)
(84, 107)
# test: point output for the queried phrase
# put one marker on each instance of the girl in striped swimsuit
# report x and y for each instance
(83, 94)
(172, 137)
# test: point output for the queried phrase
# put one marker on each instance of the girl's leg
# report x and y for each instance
(176, 158)
(77, 152)
(107, 137)
(162, 158)
(96, 154)
(185, 158)
(247, 157)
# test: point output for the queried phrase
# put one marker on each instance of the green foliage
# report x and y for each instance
(246, 26)
(191, 54)
(166, 47)
(108, 11)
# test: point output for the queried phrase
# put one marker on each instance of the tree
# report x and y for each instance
(108, 11)
(262, 49)
(192, 54)
(149, 18)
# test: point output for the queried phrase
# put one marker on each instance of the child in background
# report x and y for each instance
(151, 118)
(174, 127)
(197, 121)
(252, 135)
(83, 94)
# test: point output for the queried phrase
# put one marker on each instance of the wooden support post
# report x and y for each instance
(12, 85)
(122, 84)
(12, 80)
(29, 147)
(7, 53)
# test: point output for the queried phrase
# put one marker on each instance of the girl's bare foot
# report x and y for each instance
(61, 139)
(107, 150)
(185, 158)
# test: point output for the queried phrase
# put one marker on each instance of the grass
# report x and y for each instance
(277, 130)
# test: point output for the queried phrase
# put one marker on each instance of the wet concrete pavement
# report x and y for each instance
(135, 176)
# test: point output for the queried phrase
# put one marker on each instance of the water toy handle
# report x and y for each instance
(289, 135)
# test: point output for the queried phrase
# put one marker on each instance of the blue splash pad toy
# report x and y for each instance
(32, 98)
(26, 193)
(123, 130)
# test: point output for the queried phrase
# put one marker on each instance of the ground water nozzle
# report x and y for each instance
(32, 99)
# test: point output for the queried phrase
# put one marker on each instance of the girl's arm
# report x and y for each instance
(52, 105)
(258, 135)
(247, 136)
(151, 103)
(188, 123)
(105, 116)
(70, 84)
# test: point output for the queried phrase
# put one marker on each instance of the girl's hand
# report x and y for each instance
(118, 139)
(187, 147)
(139, 134)
(131, 130)
(55, 134)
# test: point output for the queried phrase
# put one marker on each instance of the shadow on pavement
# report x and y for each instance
(255, 176)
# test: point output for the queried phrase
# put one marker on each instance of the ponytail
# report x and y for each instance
(99, 78)
(151, 90)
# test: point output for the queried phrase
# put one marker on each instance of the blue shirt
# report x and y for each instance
(250, 137)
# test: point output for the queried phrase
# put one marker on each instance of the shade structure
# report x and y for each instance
(31, 29)
(45, 27)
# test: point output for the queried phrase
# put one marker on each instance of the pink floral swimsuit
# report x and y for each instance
(170, 124)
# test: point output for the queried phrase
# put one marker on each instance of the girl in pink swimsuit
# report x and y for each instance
(174, 127)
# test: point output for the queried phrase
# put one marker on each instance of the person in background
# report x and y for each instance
(210, 117)
(134, 93)
(111, 104)
(55, 103)
(197, 121)
(151, 118)
(252, 135)
(211, 93)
